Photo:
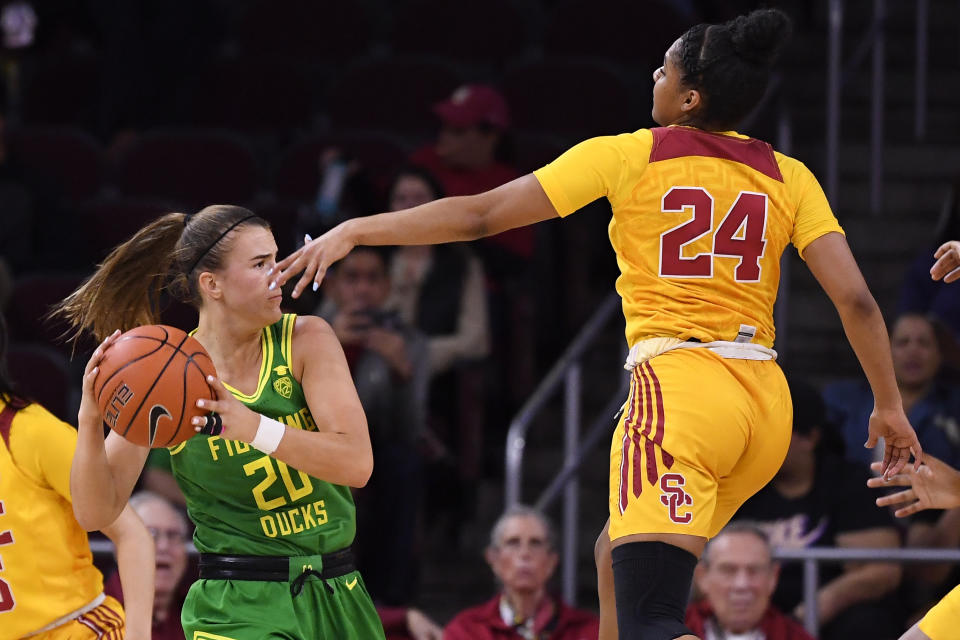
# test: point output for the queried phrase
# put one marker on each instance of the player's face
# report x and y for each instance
(169, 532)
(738, 580)
(522, 559)
(246, 276)
(668, 95)
(916, 355)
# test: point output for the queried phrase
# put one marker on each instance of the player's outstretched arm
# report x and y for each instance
(516, 204)
(935, 485)
(136, 564)
(833, 265)
(947, 266)
(103, 474)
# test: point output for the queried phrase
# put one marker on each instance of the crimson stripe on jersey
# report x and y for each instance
(680, 142)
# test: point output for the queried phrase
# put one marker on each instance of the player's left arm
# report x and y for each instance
(859, 582)
(136, 563)
(831, 262)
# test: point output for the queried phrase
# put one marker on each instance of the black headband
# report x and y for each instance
(214, 243)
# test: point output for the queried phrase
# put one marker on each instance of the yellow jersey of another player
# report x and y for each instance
(46, 568)
(700, 220)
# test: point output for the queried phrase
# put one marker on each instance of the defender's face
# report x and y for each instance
(668, 94)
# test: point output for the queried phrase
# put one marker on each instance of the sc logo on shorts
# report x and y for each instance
(674, 497)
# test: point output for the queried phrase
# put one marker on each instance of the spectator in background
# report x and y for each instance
(819, 499)
(932, 406)
(468, 158)
(920, 293)
(388, 363)
(441, 290)
(438, 289)
(737, 576)
(168, 527)
(522, 555)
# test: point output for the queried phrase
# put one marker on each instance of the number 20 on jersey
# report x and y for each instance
(741, 234)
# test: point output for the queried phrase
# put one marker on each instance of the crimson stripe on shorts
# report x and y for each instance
(110, 619)
(643, 417)
(661, 421)
(624, 465)
(92, 625)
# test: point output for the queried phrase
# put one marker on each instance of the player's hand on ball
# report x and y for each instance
(899, 440)
(314, 258)
(238, 422)
(947, 266)
(89, 413)
(935, 485)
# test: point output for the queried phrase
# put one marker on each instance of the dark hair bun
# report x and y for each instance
(759, 36)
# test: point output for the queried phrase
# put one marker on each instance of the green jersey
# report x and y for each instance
(242, 501)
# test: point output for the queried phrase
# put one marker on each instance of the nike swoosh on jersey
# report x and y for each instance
(352, 584)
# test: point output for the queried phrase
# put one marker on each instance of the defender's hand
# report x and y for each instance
(314, 258)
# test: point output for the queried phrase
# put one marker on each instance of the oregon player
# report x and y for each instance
(701, 216)
(267, 508)
(269, 494)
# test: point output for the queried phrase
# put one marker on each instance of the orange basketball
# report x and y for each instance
(149, 382)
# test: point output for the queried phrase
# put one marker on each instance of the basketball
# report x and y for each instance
(149, 382)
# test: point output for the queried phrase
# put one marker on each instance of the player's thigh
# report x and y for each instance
(943, 620)
(104, 622)
(769, 438)
(239, 610)
(686, 424)
(336, 609)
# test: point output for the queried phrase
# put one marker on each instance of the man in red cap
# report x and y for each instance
(473, 122)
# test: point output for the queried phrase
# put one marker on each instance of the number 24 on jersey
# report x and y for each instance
(739, 235)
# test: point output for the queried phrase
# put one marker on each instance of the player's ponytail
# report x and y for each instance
(729, 64)
(125, 290)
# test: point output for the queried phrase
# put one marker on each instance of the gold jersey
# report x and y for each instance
(47, 569)
(700, 220)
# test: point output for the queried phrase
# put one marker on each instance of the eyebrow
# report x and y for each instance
(262, 256)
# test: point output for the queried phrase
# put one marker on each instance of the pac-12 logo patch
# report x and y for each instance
(283, 386)
(675, 498)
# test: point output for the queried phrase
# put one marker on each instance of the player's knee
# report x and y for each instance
(652, 583)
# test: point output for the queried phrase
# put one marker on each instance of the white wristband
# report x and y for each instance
(269, 434)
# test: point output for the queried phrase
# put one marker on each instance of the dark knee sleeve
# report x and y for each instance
(652, 583)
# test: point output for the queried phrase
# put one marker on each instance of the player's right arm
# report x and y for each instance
(103, 473)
